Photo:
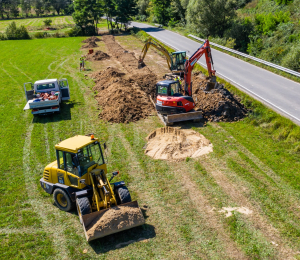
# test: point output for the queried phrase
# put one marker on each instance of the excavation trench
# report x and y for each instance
(124, 97)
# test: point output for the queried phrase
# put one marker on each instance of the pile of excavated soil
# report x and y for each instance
(91, 39)
(219, 104)
(169, 143)
(114, 220)
(98, 55)
(121, 100)
(89, 45)
(144, 77)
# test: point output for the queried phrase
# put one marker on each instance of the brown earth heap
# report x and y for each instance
(122, 101)
(114, 220)
(217, 105)
(89, 45)
(144, 77)
(170, 143)
(91, 39)
(98, 55)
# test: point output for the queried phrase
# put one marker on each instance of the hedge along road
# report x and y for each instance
(277, 92)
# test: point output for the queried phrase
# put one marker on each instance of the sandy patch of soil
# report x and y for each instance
(169, 143)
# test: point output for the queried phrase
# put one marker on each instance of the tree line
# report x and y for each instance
(268, 29)
(26, 8)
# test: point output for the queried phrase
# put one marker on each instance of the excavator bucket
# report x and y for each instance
(141, 64)
(112, 220)
(211, 85)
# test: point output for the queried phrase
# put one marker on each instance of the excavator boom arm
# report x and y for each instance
(159, 47)
(190, 63)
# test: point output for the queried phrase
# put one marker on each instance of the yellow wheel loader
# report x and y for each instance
(79, 177)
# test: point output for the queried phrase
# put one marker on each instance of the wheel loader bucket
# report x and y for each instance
(109, 221)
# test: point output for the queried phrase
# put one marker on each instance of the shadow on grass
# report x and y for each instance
(123, 238)
(64, 114)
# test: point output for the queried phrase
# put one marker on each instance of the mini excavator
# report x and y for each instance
(174, 104)
(175, 60)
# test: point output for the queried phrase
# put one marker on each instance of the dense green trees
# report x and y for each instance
(16, 8)
(268, 29)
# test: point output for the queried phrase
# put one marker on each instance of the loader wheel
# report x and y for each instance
(62, 200)
(83, 207)
(123, 195)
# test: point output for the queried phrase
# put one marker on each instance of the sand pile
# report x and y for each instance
(91, 39)
(144, 77)
(121, 100)
(89, 45)
(98, 55)
(219, 105)
(169, 143)
(114, 220)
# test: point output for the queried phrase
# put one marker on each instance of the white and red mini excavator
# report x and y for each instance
(175, 104)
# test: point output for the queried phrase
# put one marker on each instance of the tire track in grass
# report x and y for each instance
(42, 209)
(18, 69)
(290, 194)
(157, 206)
(218, 168)
(204, 207)
(255, 218)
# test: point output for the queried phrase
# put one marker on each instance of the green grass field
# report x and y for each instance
(37, 22)
(252, 166)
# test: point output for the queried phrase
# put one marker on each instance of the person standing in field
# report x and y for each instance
(82, 63)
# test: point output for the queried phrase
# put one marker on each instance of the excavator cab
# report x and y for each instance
(179, 58)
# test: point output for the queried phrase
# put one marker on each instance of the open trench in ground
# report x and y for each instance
(132, 79)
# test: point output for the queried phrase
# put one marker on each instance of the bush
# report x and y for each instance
(76, 31)
(292, 59)
(172, 23)
(47, 22)
(2, 37)
(40, 35)
(14, 33)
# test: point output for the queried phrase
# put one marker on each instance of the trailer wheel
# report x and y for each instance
(62, 200)
(83, 207)
(123, 195)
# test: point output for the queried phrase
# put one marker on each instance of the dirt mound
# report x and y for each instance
(169, 143)
(219, 105)
(98, 55)
(89, 45)
(91, 39)
(144, 77)
(121, 100)
(114, 220)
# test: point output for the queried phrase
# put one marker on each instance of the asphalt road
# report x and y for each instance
(277, 92)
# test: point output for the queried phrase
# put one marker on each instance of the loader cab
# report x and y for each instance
(168, 88)
(179, 58)
(75, 157)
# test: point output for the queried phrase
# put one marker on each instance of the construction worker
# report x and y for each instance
(82, 62)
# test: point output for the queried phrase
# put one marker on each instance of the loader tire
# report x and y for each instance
(123, 195)
(62, 200)
(83, 207)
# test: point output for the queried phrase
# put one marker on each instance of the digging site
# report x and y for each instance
(124, 97)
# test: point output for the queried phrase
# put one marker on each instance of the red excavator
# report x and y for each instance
(171, 104)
